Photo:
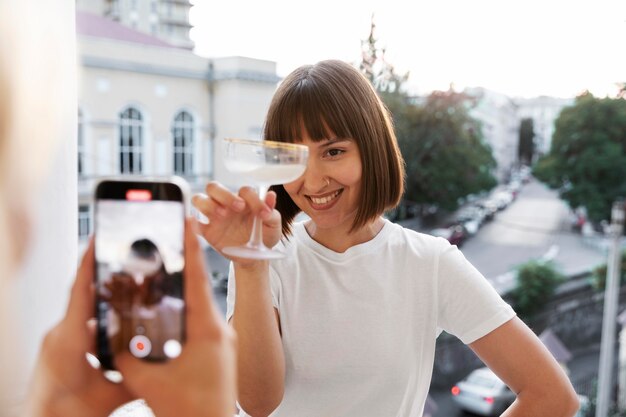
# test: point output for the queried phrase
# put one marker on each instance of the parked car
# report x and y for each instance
(471, 217)
(483, 393)
(454, 233)
(502, 199)
(490, 207)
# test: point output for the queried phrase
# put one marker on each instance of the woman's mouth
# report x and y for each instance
(325, 201)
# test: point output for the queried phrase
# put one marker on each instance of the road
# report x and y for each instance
(535, 225)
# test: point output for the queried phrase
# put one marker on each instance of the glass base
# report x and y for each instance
(250, 252)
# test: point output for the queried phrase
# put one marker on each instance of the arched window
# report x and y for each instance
(131, 141)
(182, 134)
(81, 144)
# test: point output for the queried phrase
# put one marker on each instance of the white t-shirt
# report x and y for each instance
(359, 327)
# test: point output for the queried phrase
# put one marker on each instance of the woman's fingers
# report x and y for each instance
(208, 206)
(258, 207)
(221, 195)
(270, 199)
(219, 201)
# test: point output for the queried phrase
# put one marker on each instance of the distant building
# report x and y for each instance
(543, 111)
(500, 122)
(149, 107)
(167, 20)
(501, 117)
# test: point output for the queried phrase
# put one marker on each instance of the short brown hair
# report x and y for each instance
(332, 96)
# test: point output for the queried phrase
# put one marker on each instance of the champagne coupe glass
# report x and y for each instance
(263, 163)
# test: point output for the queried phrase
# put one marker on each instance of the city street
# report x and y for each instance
(534, 226)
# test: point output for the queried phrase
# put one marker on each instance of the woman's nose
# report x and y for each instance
(314, 180)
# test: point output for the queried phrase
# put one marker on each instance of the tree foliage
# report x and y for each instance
(536, 282)
(526, 144)
(443, 147)
(587, 160)
(445, 153)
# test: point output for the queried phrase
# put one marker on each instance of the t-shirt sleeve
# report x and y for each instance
(468, 306)
(232, 288)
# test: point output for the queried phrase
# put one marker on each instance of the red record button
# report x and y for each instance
(140, 346)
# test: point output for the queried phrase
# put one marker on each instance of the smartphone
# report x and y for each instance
(139, 267)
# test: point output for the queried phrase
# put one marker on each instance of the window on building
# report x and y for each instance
(131, 141)
(83, 221)
(182, 134)
(81, 145)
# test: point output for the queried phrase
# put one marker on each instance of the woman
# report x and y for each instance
(346, 324)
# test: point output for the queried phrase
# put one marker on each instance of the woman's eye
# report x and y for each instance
(334, 152)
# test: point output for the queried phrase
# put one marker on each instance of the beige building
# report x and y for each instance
(148, 107)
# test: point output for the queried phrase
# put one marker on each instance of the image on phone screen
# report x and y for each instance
(139, 277)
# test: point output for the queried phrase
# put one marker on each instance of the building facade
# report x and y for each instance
(500, 123)
(543, 111)
(167, 20)
(148, 107)
(501, 118)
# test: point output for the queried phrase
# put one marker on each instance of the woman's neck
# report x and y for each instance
(340, 239)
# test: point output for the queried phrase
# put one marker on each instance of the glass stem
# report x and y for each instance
(256, 239)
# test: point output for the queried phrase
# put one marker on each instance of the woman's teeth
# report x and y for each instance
(324, 200)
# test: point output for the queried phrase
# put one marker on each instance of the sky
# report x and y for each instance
(519, 48)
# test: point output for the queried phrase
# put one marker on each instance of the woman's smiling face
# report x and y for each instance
(328, 191)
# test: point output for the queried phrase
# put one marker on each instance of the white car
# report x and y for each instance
(483, 393)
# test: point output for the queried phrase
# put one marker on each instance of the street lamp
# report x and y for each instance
(607, 348)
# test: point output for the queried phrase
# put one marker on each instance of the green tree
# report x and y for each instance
(526, 144)
(443, 147)
(446, 155)
(536, 282)
(587, 160)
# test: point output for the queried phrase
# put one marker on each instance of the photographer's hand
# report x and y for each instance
(64, 383)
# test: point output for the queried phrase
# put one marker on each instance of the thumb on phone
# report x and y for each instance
(202, 314)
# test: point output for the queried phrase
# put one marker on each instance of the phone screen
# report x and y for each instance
(139, 252)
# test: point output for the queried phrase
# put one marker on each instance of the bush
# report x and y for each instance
(536, 282)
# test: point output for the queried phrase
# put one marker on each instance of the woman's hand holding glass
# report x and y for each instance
(262, 163)
(231, 217)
